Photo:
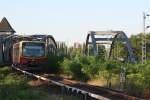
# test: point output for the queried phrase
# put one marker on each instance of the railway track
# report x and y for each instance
(69, 86)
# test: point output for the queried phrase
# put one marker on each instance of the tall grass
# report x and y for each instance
(15, 87)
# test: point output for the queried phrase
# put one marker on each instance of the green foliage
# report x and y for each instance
(88, 67)
(13, 92)
(5, 70)
(76, 69)
(53, 63)
(66, 66)
(112, 66)
(81, 67)
(14, 87)
(146, 74)
(137, 78)
(101, 52)
(91, 66)
(134, 84)
(136, 75)
(136, 44)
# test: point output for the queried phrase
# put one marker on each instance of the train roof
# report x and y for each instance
(30, 41)
(33, 41)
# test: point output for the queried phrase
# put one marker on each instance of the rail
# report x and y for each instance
(87, 90)
(96, 96)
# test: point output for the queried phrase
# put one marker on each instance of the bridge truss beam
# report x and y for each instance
(108, 38)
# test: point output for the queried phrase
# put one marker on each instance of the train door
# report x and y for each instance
(16, 53)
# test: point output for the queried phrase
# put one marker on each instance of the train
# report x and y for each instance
(9, 41)
(29, 53)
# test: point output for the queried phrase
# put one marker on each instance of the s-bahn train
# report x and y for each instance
(29, 53)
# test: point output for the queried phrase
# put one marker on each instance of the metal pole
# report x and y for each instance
(94, 43)
(143, 37)
(143, 40)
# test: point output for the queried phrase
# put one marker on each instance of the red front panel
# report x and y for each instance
(32, 60)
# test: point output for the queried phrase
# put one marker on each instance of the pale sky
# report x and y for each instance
(70, 20)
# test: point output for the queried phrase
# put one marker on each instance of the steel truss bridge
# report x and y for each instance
(108, 38)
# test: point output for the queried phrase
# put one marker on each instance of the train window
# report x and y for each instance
(31, 49)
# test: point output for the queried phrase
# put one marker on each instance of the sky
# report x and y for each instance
(70, 20)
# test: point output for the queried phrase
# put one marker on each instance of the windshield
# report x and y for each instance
(31, 49)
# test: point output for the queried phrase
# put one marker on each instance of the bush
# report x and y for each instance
(88, 67)
(137, 78)
(134, 84)
(74, 69)
(15, 87)
(77, 73)
(91, 66)
(66, 66)
(146, 74)
(82, 67)
(53, 63)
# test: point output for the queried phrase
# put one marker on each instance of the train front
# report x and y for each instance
(33, 53)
